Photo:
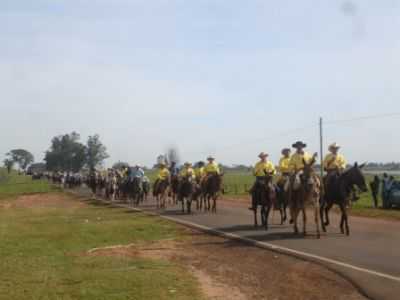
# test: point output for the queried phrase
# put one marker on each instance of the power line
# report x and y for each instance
(377, 116)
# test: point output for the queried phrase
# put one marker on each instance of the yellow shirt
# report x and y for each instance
(261, 168)
(187, 172)
(211, 168)
(284, 165)
(163, 174)
(199, 172)
(296, 161)
(334, 162)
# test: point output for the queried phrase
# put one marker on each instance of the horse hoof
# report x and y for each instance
(291, 222)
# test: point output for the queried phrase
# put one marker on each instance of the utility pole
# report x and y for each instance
(321, 149)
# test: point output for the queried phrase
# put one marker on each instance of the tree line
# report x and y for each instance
(66, 154)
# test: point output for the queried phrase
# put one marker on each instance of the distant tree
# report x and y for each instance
(96, 152)
(120, 165)
(22, 157)
(66, 153)
(8, 163)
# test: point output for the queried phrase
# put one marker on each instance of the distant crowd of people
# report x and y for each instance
(383, 187)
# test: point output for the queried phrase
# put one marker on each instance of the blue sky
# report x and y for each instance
(230, 78)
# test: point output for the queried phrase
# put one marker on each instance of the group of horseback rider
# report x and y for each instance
(199, 172)
(291, 165)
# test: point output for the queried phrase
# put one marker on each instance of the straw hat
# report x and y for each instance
(334, 146)
(263, 155)
(299, 144)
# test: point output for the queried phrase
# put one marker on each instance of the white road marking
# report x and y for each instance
(269, 245)
(284, 249)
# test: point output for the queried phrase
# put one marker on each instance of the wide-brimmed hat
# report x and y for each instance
(285, 150)
(263, 155)
(334, 146)
(210, 157)
(299, 144)
(187, 164)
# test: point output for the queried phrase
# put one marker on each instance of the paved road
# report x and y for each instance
(370, 257)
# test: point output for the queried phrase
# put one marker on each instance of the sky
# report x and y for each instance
(227, 78)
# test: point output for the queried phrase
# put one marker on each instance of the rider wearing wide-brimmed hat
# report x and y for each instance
(199, 170)
(262, 169)
(162, 175)
(187, 170)
(284, 162)
(296, 163)
(212, 167)
(334, 161)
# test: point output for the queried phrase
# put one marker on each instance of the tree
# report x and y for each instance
(120, 165)
(96, 152)
(22, 157)
(8, 163)
(66, 153)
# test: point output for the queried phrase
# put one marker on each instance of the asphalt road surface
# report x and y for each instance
(370, 257)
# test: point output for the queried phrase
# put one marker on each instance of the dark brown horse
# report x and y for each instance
(338, 191)
(263, 195)
(160, 192)
(185, 193)
(211, 190)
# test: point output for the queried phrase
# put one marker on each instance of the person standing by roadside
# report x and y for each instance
(385, 190)
(374, 185)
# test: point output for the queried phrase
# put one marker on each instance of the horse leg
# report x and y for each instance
(327, 209)
(255, 216)
(316, 216)
(183, 204)
(294, 218)
(304, 220)
(189, 205)
(346, 221)
(214, 208)
(263, 213)
(266, 216)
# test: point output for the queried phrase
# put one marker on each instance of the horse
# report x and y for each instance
(146, 189)
(338, 191)
(282, 202)
(173, 192)
(263, 195)
(134, 191)
(185, 193)
(160, 192)
(212, 188)
(305, 189)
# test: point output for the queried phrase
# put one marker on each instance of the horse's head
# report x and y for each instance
(356, 177)
(308, 173)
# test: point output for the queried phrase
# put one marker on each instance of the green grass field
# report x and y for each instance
(44, 248)
(14, 185)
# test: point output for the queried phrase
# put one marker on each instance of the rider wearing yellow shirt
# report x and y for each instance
(334, 161)
(199, 171)
(187, 171)
(296, 163)
(212, 167)
(262, 169)
(284, 165)
(162, 175)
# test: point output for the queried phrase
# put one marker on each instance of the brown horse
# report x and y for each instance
(211, 190)
(338, 191)
(185, 193)
(173, 190)
(160, 192)
(305, 190)
(264, 195)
